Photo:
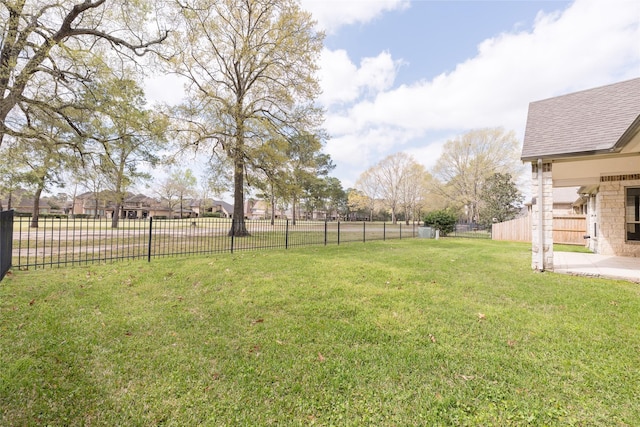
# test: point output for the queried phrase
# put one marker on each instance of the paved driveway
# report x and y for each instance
(594, 265)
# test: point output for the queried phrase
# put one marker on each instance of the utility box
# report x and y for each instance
(426, 232)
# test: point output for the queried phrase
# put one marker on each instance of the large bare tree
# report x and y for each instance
(251, 72)
(396, 179)
(468, 160)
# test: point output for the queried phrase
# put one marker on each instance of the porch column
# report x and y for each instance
(542, 216)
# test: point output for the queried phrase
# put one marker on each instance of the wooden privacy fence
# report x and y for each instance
(569, 230)
(517, 230)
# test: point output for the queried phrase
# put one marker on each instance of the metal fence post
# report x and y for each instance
(233, 232)
(6, 242)
(364, 231)
(400, 231)
(325, 232)
(286, 235)
(338, 232)
(150, 231)
(384, 231)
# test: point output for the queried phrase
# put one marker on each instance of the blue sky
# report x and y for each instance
(409, 75)
(434, 36)
(401, 75)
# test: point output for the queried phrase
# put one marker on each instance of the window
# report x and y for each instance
(632, 217)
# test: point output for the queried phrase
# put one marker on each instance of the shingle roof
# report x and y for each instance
(592, 120)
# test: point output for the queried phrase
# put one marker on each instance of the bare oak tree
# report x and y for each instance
(251, 72)
(468, 160)
(396, 179)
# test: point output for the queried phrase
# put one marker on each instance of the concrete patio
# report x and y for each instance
(594, 265)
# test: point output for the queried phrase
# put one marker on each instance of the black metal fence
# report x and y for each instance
(63, 241)
(470, 230)
(6, 241)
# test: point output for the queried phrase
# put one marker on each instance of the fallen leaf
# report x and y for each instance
(321, 357)
(257, 321)
(432, 338)
(33, 301)
(481, 316)
(279, 342)
(467, 377)
(511, 343)
(128, 333)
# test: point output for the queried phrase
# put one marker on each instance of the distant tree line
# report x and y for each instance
(472, 180)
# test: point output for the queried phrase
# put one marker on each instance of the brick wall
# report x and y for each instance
(610, 214)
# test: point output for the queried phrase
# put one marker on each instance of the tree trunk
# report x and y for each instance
(116, 215)
(273, 207)
(36, 208)
(238, 226)
(294, 205)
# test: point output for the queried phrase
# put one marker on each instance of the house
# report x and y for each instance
(256, 209)
(203, 207)
(103, 205)
(566, 201)
(591, 140)
(22, 201)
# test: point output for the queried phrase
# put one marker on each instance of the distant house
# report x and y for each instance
(256, 209)
(591, 140)
(103, 205)
(566, 201)
(22, 201)
(202, 207)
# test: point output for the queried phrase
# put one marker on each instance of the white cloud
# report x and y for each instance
(591, 43)
(428, 155)
(332, 14)
(342, 81)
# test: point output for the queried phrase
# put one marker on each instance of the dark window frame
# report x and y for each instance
(632, 214)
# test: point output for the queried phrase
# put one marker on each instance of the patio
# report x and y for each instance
(594, 265)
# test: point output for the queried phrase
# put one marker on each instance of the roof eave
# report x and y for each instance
(558, 156)
(628, 135)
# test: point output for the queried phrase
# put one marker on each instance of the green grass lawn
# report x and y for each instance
(396, 333)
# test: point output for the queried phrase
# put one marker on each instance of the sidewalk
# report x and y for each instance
(594, 265)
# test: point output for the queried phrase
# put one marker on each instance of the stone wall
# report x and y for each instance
(610, 212)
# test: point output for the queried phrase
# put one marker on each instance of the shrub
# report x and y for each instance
(442, 220)
(54, 215)
(212, 215)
